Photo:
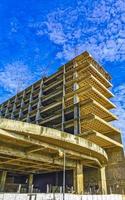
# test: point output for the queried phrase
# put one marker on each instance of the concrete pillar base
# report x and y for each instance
(103, 180)
(78, 178)
(3, 180)
(30, 183)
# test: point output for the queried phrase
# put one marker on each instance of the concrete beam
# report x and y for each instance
(42, 145)
(9, 151)
(53, 136)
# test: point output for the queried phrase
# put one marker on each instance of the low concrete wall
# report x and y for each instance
(11, 196)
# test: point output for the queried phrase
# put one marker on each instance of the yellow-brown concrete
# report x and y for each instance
(3, 175)
(103, 180)
(30, 183)
(78, 178)
(75, 100)
(23, 143)
(101, 139)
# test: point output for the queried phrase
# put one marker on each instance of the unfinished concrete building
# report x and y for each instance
(67, 114)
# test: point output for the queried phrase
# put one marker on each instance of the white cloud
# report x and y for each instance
(56, 32)
(101, 32)
(15, 76)
(119, 100)
(14, 25)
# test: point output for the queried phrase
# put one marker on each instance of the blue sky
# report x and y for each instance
(36, 37)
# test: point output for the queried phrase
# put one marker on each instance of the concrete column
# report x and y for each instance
(63, 99)
(78, 178)
(3, 180)
(30, 183)
(38, 116)
(77, 128)
(103, 180)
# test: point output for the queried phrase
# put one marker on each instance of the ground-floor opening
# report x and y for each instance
(81, 180)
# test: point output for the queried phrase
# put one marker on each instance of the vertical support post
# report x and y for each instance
(22, 104)
(38, 116)
(64, 174)
(19, 188)
(3, 180)
(1, 110)
(14, 107)
(76, 119)
(7, 108)
(103, 180)
(30, 183)
(63, 99)
(29, 106)
(78, 178)
(77, 127)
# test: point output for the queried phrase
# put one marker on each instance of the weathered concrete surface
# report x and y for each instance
(25, 141)
(16, 196)
(54, 137)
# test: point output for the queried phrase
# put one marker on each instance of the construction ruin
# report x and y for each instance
(65, 115)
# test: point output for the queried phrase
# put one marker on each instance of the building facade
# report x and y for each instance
(75, 100)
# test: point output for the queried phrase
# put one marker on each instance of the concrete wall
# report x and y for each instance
(16, 196)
